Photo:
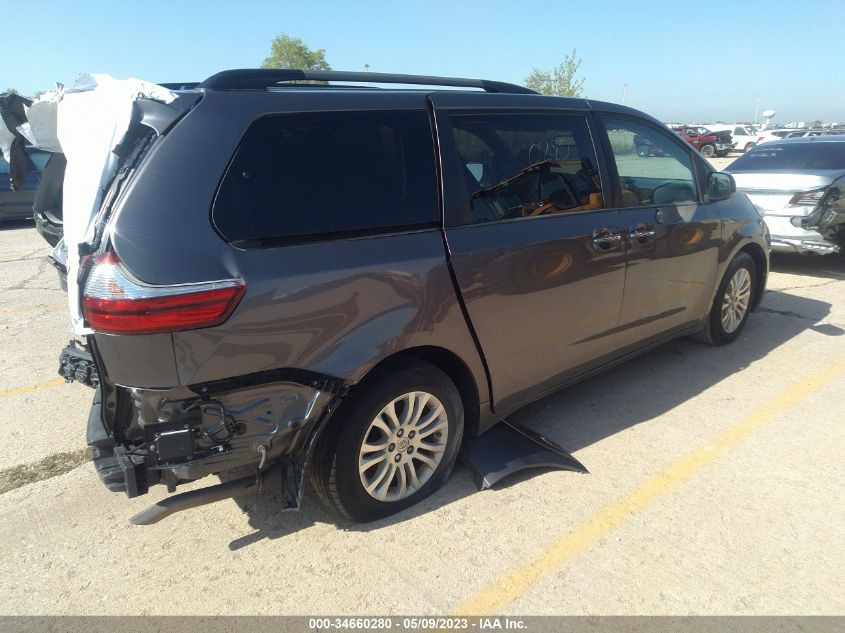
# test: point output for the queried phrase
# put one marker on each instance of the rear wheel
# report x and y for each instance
(749, 146)
(707, 151)
(732, 302)
(394, 443)
(642, 151)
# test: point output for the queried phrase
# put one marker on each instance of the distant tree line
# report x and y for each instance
(292, 52)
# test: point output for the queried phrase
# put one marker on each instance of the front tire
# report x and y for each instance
(749, 146)
(394, 443)
(707, 151)
(732, 302)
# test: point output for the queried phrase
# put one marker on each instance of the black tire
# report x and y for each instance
(714, 333)
(643, 151)
(334, 469)
(707, 151)
(749, 146)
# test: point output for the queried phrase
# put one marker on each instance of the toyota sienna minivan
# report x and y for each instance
(347, 282)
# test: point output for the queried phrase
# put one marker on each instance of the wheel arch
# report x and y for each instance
(455, 368)
(761, 263)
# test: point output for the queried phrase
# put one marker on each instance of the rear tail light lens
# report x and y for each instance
(808, 198)
(115, 302)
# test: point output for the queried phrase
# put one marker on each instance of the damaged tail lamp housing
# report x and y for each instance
(116, 302)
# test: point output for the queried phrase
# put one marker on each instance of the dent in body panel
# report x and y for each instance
(339, 309)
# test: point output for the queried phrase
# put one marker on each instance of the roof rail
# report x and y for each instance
(262, 78)
(185, 85)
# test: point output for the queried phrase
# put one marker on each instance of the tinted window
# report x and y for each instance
(37, 161)
(790, 156)
(329, 173)
(652, 168)
(527, 165)
(37, 158)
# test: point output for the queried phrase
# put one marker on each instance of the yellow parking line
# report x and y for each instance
(20, 309)
(520, 579)
(27, 388)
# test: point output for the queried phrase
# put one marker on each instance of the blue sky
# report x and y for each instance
(681, 62)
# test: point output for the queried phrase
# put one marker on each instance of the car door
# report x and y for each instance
(18, 203)
(537, 255)
(672, 235)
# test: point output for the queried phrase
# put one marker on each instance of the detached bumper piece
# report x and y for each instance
(509, 448)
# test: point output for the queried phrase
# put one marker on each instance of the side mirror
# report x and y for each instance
(720, 186)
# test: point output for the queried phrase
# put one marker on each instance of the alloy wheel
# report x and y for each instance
(736, 299)
(403, 446)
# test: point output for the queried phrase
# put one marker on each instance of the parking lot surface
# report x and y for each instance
(715, 487)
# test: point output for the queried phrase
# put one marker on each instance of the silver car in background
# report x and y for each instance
(798, 185)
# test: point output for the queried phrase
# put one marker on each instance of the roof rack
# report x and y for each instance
(262, 78)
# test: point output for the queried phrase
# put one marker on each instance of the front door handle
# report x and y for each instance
(607, 238)
(641, 233)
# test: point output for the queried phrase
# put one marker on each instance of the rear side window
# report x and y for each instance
(527, 165)
(818, 155)
(328, 174)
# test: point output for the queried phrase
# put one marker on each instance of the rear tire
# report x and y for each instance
(643, 151)
(381, 455)
(707, 151)
(749, 146)
(732, 303)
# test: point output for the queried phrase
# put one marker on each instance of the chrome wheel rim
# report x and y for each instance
(736, 300)
(403, 446)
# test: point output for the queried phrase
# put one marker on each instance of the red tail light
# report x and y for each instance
(116, 302)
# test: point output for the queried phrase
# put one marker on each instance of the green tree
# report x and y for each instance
(560, 81)
(291, 52)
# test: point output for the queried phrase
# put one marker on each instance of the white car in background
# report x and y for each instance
(798, 186)
(744, 136)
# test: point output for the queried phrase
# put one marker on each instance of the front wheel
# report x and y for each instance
(643, 151)
(749, 146)
(707, 151)
(394, 443)
(732, 302)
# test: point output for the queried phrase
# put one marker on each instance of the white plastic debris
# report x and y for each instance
(6, 138)
(41, 121)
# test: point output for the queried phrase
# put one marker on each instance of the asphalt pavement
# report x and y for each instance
(715, 487)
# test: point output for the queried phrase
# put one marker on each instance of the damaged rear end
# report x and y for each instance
(148, 425)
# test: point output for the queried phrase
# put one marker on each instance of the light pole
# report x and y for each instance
(624, 93)
(757, 107)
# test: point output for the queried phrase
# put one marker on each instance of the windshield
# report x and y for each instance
(810, 156)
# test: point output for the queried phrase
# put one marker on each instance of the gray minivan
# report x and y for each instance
(349, 281)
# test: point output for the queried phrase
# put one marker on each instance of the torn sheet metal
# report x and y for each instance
(93, 116)
(509, 448)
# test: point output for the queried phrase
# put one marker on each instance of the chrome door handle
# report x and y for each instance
(642, 232)
(607, 238)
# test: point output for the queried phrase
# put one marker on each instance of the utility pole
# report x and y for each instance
(757, 107)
